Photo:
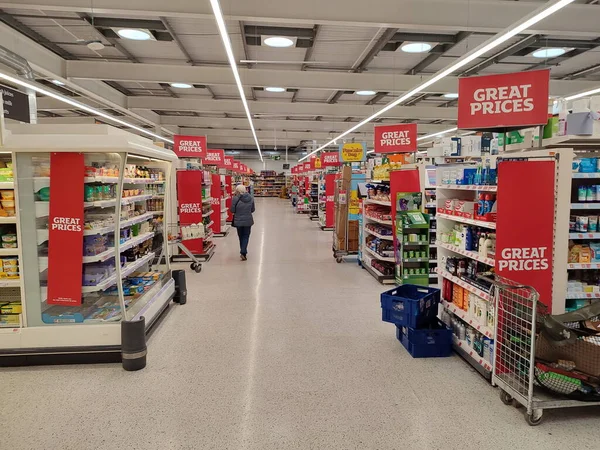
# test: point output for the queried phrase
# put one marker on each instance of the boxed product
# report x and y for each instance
(465, 208)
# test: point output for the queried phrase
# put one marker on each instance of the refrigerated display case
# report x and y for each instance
(92, 208)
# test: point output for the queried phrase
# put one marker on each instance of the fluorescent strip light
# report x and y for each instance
(227, 44)
(96, 112)
(429, 136)
(583, 94)
(497, 40)
(371, 151)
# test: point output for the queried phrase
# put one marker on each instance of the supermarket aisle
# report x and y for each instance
(285, 351)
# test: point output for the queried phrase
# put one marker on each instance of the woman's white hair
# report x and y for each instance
(241, 189)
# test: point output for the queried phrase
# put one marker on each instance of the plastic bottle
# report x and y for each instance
(476, 237)
(481, 204)
(462, 332)
(469, 239)
(488, 204)
(478, 175)
(486, 172)
(487, 246)
(481, 246)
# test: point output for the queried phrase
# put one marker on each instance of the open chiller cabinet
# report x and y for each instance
(125, 209)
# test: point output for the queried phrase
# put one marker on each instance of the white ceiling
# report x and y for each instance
(346, 45)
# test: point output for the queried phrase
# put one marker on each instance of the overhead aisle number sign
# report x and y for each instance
(400, 138)
(189, 146)
(503, 101)
(353, 152)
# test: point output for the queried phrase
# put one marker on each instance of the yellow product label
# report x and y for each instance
(352, 152)
(354, 205)
(317, 163)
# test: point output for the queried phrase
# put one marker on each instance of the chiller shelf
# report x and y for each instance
(479, 223)
(465, 317)
(374, 219)
(468, 187)
(378, 202)
(9, 251)
(4, 283)
(378, 256)
(380, 236)
(469, 254)
(11, 219)
(468, 286)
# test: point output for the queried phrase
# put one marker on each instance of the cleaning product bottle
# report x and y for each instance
(476, 236)
(469, 239)
(478, 175)
(481, 204)
(487, 204)
(486, 173)
(482, 239)
(487, 246)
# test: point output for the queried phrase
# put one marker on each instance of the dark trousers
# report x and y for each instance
(244, 235)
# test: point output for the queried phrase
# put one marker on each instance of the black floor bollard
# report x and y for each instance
(133, 344)
(180, 287)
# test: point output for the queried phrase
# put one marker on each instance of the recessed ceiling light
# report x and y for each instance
(57, 82)
(451, 95)
(416, 47)
(275, 89)
(278, 41)
(181, 85)
(365, 92)
(135, 34)
(550, 52)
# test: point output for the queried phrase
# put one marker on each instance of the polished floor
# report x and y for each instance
(284, 351)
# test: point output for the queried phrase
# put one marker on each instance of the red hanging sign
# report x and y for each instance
(503, 101)
(330, 159)
(189, 198)
(65, 233)
(307, 166)
(524, 253)
(216, 196)
(228, 162)
(214, 158)
(401, 138)
(189, 146)
(329, 200)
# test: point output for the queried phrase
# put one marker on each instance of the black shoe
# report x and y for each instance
(244, 258)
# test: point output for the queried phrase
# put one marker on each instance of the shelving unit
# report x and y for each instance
(121, 228)
(377, 230)
(268, 184)
(461, 295)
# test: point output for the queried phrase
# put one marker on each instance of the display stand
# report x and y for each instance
(220, 209)
(378, 233)
(228, 198)
(72, 304)
(326, 200)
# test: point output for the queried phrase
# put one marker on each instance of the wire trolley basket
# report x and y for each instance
(515, 370)
(178, 234)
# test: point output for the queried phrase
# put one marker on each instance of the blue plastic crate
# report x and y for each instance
(410, 305)
(432, 342)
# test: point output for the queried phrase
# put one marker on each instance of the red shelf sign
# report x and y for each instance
(503, 101)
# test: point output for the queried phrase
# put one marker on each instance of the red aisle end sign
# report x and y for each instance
(503, 101)
(65, 229)
(401, 138)
(330, 159)
(189, 146)
(214, 158)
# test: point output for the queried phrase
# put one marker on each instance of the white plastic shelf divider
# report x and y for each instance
(466, 317)
(468, 286)
(472, 353)
(583, 266)
(479, 223)
(11, 219)
(4, 283)
(467, 253)
(9, 251)
(380, 236)
(468, 187)
(584, 235)
(378, 202)
(593, 205)
(373, 219)
(586, 175)
(378, 256)
(574, 295)
(7, 185)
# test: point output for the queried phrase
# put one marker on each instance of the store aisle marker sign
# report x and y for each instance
(400, 138)
(236, 166)
(330, 159)
(353, 152)
(214, 158)
(189, 146)
(189, 198)
(65, 229)
(503, 101)
(228, 162)
(525, 254)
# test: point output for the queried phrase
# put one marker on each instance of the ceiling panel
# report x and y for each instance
(342, 46)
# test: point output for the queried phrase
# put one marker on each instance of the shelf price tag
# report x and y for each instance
(65, 233)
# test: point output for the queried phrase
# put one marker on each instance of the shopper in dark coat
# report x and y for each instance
(242, 207)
